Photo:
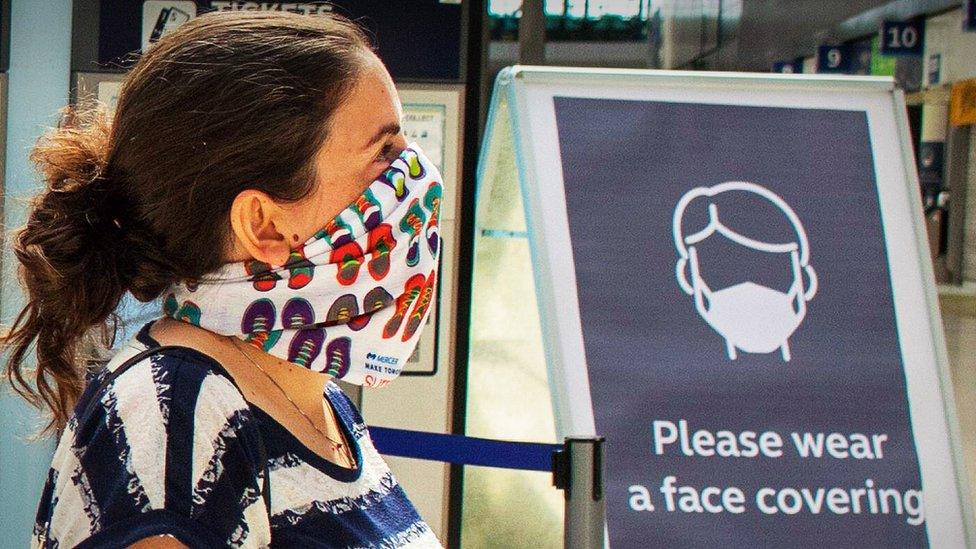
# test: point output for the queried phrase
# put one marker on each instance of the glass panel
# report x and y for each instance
(508, 390)
(508, 398)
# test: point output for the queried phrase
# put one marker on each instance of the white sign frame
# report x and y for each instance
(526, 93)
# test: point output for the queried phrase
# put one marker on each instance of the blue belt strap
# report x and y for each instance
(529, 456)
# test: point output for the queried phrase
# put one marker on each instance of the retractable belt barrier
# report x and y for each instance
(462, 450)
(576, 467)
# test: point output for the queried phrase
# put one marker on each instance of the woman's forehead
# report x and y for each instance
(370, 105)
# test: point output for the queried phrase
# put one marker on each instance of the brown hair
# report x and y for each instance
(226, 102)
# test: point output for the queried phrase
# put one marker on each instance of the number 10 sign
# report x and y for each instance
(902, 37)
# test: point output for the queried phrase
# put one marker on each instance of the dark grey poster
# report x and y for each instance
(739, 326)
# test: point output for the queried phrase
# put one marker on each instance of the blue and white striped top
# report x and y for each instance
(173, 449)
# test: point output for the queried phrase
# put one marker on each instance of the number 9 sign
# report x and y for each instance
(832, 59)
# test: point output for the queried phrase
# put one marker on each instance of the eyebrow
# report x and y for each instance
(392, 128)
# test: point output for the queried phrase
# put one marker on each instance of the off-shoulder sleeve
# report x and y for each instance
(172, 448)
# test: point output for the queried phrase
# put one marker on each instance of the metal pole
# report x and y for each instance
(532, 33)
(578, 469)
(957, 173)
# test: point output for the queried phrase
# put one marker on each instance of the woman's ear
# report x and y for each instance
(255, 220)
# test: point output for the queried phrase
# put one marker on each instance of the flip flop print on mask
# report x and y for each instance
(348, 258)
(263, 277)
(307, 342)
(368, 209)
(188, 312)
(300, 269)
(411, 290)
(421, 306)
(338, 353)
(432, 201)
(381, 244)
(259, 318)
(412, 224)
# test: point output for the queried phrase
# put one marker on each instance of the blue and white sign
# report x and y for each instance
(860, 54)
(833, 59)
(903, 37)
(735, 291)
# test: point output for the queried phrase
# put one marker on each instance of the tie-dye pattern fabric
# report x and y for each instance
(173, 449)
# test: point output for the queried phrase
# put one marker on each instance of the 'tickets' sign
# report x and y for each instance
(417, 39)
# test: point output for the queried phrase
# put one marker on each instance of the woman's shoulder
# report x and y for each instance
(143, 387)
(171, 367)
(166, 444)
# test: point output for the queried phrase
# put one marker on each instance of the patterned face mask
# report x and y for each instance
(352, 300)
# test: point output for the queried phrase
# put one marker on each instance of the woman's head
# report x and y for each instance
(364, 137)
(235, 136)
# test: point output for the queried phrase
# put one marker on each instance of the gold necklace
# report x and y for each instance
(339, 446)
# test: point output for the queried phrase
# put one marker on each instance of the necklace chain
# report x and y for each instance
(337, 445)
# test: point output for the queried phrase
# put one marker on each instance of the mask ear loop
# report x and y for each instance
(812, 287)
(679, 271)
(699, 288)
(799, 300)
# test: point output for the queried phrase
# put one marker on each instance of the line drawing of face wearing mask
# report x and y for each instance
(751, 317)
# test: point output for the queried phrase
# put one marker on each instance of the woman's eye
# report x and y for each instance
(387, 153)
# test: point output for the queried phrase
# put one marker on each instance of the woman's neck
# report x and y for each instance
(292, 377)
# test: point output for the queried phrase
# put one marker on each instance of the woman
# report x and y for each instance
(256, 179)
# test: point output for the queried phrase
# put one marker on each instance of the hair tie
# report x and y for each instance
(97, 222)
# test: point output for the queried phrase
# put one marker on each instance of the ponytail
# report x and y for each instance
(75, 264)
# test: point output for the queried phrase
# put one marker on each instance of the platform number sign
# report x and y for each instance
(833, 59)
(902, 37)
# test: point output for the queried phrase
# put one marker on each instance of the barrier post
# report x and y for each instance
(577, 469)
